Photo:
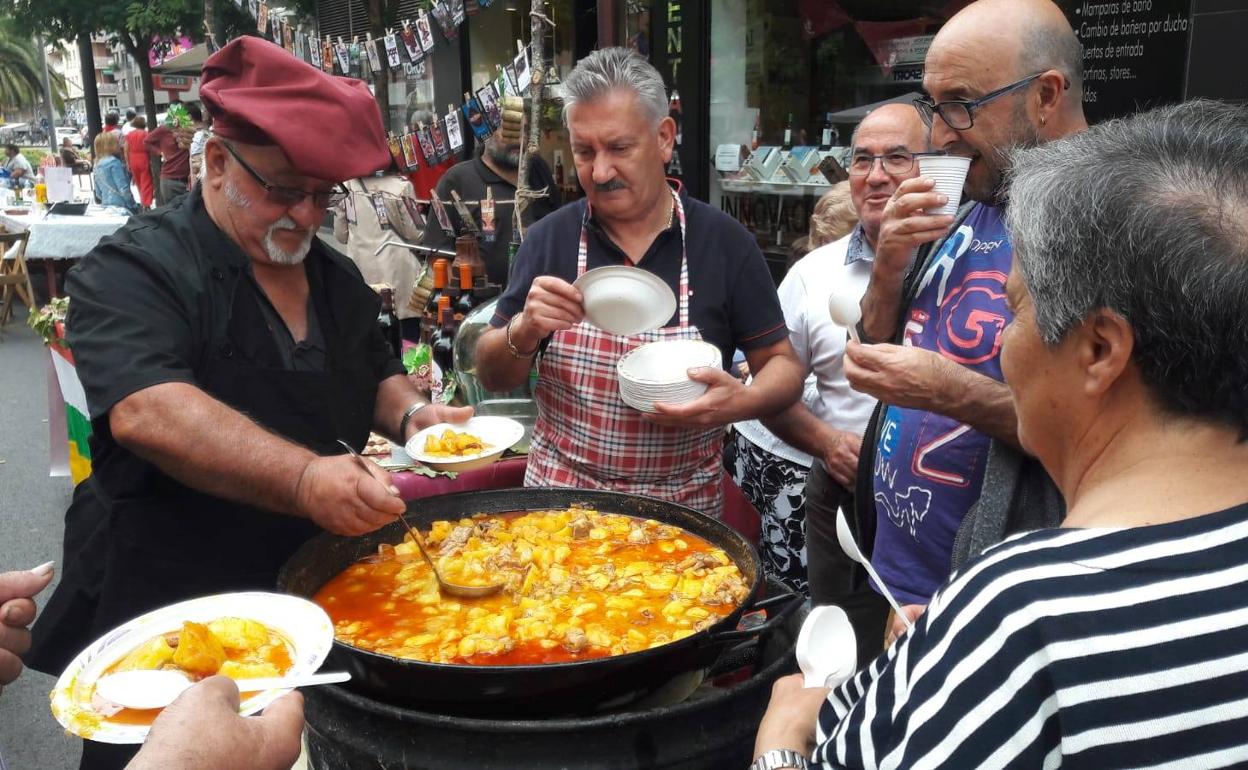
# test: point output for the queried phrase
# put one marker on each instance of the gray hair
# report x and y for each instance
(1053, 46)
(1147, 216)
(609, 69)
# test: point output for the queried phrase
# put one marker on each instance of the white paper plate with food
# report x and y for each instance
(239, 635)
(466, 445)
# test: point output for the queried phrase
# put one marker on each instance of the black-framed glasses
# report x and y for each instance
(290, 197)
(893, 162)
(959, 114)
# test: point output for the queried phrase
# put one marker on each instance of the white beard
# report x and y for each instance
(276, 254)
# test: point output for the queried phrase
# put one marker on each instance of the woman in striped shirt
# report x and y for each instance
(1121, 639)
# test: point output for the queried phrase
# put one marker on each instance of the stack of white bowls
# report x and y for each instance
(659, 372)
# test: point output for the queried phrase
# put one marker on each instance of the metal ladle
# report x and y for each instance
(454, 589)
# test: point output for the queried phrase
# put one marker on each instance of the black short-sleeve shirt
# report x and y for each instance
(147, 302)
(733, 300)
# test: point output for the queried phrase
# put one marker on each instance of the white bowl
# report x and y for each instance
(303, 624)
(659, 372)
(666, 362)
(498, 433)
(625, 300)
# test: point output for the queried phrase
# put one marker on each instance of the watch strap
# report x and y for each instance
(407, 417)
(781, 759)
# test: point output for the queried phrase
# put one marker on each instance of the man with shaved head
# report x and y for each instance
(1000, 75)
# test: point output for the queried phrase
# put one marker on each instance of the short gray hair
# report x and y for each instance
(609, 69)
(1147, 216)
(1053, 46)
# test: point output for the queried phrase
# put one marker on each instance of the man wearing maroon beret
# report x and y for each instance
(224, 351)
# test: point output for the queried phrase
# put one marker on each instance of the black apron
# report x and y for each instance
(136, 539)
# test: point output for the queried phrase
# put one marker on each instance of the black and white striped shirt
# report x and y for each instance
(1073, 648)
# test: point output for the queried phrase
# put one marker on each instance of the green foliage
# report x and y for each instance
(45, 321)
(35, 156)
(21, 69)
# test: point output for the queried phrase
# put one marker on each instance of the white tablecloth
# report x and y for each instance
(57, 236)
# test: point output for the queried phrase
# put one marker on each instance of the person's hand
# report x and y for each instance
(901, 375)
(791, 717)
(435, 414)
(840, 455)
(552, 305)
(717, 406)
(17, 611)
(898, 626)
(343, 498)
(202, 730)
(904, 227)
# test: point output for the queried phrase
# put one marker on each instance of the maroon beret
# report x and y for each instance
(329, 127)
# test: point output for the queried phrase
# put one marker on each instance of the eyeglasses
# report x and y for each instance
(893, 163)
(290, 197)
(959, 114)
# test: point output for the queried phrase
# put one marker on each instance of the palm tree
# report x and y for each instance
(21, 65)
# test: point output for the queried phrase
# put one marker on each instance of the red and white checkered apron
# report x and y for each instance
(587, 437)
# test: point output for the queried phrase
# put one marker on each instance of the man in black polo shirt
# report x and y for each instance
(498, 169)
(616, 111)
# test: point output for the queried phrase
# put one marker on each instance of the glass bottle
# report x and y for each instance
(429, 319)
(754, 133)
(788, 134)
(466, 301)
(468, 252)
(443, 342)
(826, 137)
(389, 322)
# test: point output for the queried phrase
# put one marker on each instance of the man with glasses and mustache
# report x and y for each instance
(615, 105)
(1000, 74)
(225, 351)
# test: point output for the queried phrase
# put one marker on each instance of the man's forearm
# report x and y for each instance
(980, 402)
(395, 395)
(209, 446)
(881, 306)
(776, 385)
(798, 427)
(497, 368)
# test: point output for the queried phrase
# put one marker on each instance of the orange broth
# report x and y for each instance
(276, 654)
(580, 585)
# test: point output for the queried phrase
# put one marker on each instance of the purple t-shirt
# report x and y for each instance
(929, 468)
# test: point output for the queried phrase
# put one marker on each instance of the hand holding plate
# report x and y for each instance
(715, 407)
(552, 305)
(202, 730)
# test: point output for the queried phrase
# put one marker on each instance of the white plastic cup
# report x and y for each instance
(949, 174)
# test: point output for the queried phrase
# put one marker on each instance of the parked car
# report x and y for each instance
(70, 133)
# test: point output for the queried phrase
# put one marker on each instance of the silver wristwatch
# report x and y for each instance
(780, 759)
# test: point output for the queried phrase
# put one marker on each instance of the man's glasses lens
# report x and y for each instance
(893, 163)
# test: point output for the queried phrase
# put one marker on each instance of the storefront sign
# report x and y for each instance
(1134, 53)
(908, 50)
(171, 82)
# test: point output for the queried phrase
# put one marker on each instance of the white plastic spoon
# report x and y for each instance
(827, 648)
(846, 311)
(147, 689)
(846, 539)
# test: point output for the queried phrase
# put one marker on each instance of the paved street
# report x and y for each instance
(31, 510)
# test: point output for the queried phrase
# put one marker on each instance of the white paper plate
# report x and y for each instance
(498, 433)
(626, 300)
(666, 362)
(305, 626)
